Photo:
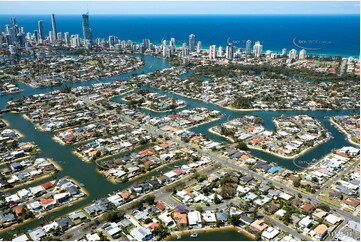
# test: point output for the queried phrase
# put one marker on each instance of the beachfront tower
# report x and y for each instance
(293, 54)
(192, 39)
(212, 52)
(248, 47)
(53, 27)
(302, 54)
(87, 33)
(257, 49)
(41, 30)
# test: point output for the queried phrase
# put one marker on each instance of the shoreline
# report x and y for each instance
(244, 109)
(340, 128)
(272, 153)
(210, 229)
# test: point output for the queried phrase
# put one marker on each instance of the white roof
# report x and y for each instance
(281, 212)
(270, 233)
(21, 238)
(305, 222)
(93, 237)
(209, 217)
(285, 196)
(332, 219)
(194, 218)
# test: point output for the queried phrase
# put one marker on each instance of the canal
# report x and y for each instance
(98, 186)
(228, 234)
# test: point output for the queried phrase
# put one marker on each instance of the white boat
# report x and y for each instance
(178, 236)
(194, 235)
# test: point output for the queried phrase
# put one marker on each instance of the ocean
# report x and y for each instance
(320, 34)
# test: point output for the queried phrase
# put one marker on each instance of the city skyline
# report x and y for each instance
(184, 7)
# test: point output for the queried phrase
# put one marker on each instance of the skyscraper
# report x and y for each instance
(53, 26)
(229, 51)
(192, 38)
(302, 54)
(67, 38)
(293, 54)
(257, 49)
(87, 34)
(41, 30)
(199, 46)
(212, 52)
(248, 47)
(284, 52)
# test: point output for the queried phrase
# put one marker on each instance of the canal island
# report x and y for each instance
(110, 139)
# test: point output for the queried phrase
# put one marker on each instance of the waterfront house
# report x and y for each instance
(270, 233)
(37, 234)
(258, 225)
(180, 218)
(65, 223)
(194, 219)
(140, 233)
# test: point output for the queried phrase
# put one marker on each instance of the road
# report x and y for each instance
(338, 176)
(225, 162)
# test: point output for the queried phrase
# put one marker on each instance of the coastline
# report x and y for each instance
(210, 229)
(272, 153)
(339, 127)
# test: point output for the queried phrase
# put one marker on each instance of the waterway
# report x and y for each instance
(229, 234)
(98, 186)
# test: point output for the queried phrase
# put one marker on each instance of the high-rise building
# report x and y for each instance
(13, 21)
(185, 50)
(212, 52)
(199, 46)
(87, 34)
(192, 39)
(66, 38)
(59, 36)
(257, 49)
(229, 51)
(302, 54)
(51, 36)
(220, 52)
(248, 47)
(293, 54)
(41, 30)
(53, 27)
(36, 36)
(112, 40)
(284, 52)
(146, 44)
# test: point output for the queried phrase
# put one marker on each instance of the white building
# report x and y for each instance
(257, 49)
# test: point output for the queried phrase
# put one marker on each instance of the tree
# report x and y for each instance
(242, 146)
(161, 232)
(149, 199)
(235, 220)
(296, 183)
(314, 179)
(65, 89)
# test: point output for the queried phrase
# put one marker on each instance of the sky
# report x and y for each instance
(176, 7)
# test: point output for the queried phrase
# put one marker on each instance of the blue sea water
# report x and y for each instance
(329, 34)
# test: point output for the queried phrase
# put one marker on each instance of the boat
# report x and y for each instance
(240, 231)
(69, 205)
(178, 236)
(194, 235)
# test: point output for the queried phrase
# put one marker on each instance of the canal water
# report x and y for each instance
(228, 234)
(98, 186)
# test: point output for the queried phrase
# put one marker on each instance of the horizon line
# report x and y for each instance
(193, 14)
